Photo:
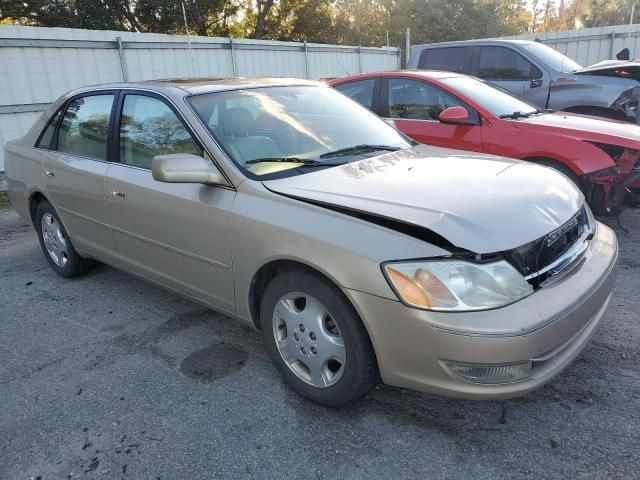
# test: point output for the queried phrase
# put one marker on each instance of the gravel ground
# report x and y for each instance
(109, 377)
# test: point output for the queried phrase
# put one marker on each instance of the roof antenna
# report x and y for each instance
(186, 29)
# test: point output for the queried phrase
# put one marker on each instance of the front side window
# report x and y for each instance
(268, 130)
(412, 99)
(451, 59)
(85, 126)
(500, 63)
(148, 127)
(361, 91)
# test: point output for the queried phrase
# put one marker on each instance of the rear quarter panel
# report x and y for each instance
(23, 164)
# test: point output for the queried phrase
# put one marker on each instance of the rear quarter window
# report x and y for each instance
(46, 136)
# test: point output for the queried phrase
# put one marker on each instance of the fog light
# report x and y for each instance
(492, 374)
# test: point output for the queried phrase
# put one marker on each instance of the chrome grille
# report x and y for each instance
(550, 255)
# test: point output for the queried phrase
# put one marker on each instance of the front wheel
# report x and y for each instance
(316, 339)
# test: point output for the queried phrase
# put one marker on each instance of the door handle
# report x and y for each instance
(49, 173)
(118, 192)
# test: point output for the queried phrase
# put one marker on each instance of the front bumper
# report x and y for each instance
(549, 328)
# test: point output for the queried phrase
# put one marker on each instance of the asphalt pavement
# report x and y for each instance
(107, 376)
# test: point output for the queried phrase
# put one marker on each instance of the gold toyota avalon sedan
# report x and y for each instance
(361, 256)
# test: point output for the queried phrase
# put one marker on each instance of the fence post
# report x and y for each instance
(612, 40)
(123, 66)
(306, 59)
(360, 58)
(233, 58)
(407, 46)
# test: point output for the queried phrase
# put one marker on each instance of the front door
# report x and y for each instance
(415, 106)
(74, 171)
(175, 234)
(506, 68)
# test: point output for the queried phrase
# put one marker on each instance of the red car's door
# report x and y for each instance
(415, 105)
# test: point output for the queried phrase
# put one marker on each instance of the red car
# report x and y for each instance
(458, 111)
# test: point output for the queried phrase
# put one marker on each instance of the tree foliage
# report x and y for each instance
(354, 22)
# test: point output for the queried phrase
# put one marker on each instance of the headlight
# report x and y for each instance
(456, 285)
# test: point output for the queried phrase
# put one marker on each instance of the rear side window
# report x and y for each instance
(361, 91)
(47, 134)
(85, 126)
(500, 63)
(450, 59)
(148, 127)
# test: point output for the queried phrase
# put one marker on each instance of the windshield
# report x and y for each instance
(498, 101)
(552, 58)
(293, 128)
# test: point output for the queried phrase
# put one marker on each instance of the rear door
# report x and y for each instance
(175, 234)
(414, 106)
(74, 169)
(509, 69)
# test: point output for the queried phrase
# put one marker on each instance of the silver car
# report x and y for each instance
(359, 255)
(543, 76)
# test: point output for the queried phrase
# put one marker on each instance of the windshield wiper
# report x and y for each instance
(515, 115)
(359, 149)
(304, 161)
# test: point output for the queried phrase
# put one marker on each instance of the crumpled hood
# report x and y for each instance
(481, 203)
(581, 127)
(613, 68)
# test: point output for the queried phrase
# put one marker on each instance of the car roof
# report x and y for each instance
(195, 86)
(487, 41)
(434, 74)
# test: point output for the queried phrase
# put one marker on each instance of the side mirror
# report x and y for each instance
(454, 116)
(185, 168)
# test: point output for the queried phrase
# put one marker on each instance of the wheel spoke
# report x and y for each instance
(288, 350)
(320, 375)
(314, 311)
(286, 312)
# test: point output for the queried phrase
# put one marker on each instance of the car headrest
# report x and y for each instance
(237, 121)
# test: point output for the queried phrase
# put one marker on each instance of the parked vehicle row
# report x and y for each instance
(541, 75)
(360, 254)
(462, 112)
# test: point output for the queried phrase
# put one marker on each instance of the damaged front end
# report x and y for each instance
(606, 189)
(627, 103)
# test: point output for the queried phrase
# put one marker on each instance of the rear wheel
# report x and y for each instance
(316, 339)
(56, 244)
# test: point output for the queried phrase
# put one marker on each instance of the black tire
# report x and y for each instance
(360, 372)
(75, 265)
